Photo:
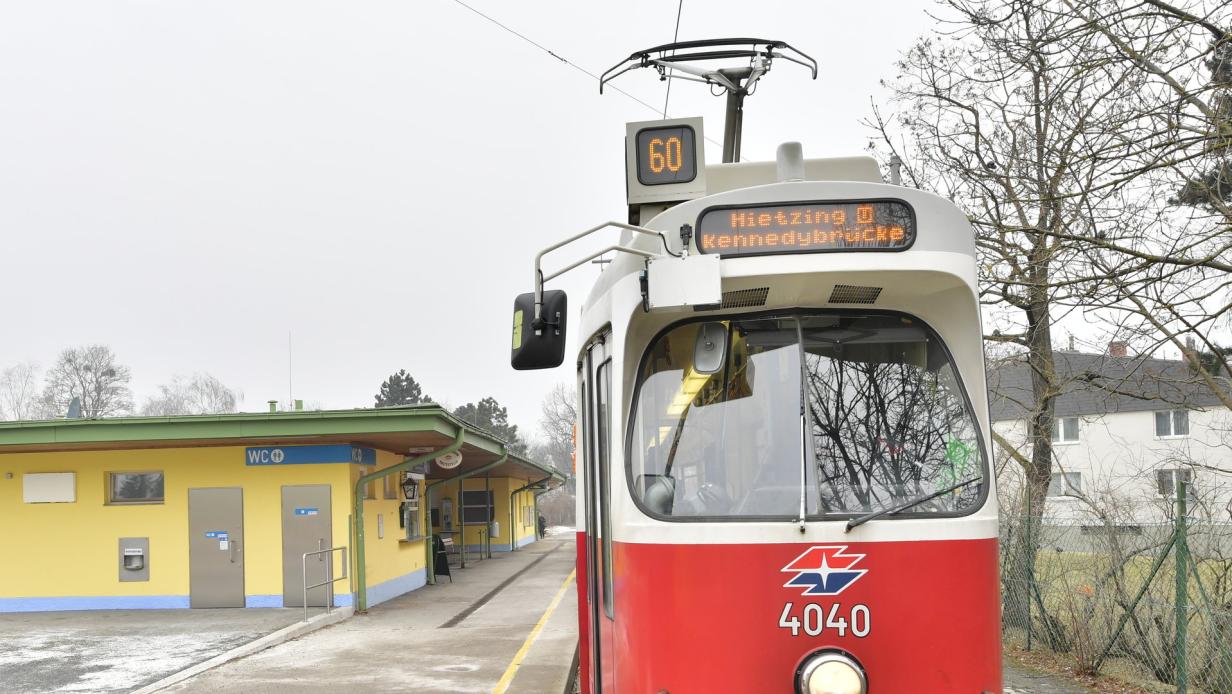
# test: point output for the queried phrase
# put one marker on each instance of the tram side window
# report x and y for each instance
(603, 429)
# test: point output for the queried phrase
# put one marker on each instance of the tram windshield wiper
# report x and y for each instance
(861, 520)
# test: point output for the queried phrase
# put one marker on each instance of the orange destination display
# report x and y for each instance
(883, 225)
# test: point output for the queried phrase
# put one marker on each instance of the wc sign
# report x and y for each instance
(265, 456)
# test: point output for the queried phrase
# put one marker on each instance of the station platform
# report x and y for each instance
(508, 623)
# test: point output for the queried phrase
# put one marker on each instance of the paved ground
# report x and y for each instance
(442, 638)
(1019, 680)
(118, 651)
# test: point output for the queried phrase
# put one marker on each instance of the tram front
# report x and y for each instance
(783, 474)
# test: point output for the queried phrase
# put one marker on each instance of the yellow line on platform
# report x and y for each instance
(512, 670)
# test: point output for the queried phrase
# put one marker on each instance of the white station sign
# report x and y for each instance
(449, 461)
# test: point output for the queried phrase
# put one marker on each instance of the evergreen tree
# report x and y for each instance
(400, 389)
(487, 414)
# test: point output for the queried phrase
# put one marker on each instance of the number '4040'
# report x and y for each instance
(815, 620)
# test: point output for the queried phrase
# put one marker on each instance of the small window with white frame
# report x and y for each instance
(1065, 484)
(1171, 424)
(1065, 430)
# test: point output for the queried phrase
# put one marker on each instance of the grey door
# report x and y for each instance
(305, 528)
(216, 547)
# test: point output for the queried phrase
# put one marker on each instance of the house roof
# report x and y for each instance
(1095, 384)
(395, 429)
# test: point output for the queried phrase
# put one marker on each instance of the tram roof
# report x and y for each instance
(393, 429)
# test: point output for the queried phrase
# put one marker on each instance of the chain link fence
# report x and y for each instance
(1143, 602)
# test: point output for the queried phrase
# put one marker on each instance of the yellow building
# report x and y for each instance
(219, 510)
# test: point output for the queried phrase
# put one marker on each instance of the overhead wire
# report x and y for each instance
(554, 54)
(675, 38)
(579, 68)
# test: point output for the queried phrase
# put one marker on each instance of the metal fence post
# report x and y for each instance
(1029, 569)
(1182, 588)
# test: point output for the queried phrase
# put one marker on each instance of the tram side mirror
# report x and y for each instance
(658, 493)
(710, 350)
(546, 349)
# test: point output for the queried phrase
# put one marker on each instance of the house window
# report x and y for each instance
(474, 510)
(135, 487)
(1172, 423)
(1065, 430)
(393, 486)
(1165, 482)
(1065, 484)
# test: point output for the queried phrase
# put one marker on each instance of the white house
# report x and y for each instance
(1127, 428)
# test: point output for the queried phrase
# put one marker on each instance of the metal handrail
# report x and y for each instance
(329, 570)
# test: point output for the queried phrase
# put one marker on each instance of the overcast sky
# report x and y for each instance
(190, 182)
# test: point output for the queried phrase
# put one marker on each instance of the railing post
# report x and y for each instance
(328, 583)
(1182, 588)
(304, 575)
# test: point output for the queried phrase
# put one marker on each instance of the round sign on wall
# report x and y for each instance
(449, 461)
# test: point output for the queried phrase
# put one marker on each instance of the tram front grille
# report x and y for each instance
(745, 298)
(853, 294)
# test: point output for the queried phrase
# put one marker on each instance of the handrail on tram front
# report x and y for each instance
(537, 324)
(329, 570)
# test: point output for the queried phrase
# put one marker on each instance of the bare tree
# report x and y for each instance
(556, 428)
(19, 391)
(201, 393)
(556, 424)
(91, 374)
(1180, 293)
(1010, 114)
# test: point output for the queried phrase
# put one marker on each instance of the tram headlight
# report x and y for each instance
(832, 673)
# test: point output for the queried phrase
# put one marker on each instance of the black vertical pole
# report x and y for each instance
(734, 123)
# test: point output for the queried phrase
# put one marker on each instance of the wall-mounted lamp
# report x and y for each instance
(410, 488)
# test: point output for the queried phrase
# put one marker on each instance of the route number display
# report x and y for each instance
(666, 155)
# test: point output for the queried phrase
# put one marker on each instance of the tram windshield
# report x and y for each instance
(850, 414)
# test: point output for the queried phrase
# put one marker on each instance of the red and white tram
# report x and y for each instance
(783, 465)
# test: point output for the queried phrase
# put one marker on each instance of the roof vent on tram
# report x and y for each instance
(745, 298)
(853, 294)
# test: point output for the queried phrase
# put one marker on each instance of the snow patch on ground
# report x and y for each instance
(119, 651)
